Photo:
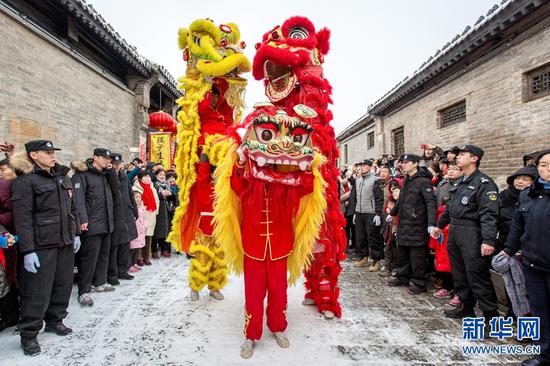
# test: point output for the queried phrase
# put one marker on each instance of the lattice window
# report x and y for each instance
(453, 114)
(370, 140)
(539, 82)
(398, 137)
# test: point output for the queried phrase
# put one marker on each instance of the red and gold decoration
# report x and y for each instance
(290, 62)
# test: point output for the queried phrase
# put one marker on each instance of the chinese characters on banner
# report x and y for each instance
(160, 148)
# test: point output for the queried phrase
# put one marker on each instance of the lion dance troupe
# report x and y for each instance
(258, 193)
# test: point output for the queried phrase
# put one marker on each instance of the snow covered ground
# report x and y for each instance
(151, 321)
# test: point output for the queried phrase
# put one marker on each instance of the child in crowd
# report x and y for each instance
(139, 242)
(150, 199)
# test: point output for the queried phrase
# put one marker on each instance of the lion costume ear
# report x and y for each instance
(237, 33)
(182, 38)
(323, 41)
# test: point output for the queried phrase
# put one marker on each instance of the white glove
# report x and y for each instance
(31, 262)
(77, 243)
(240, 152)
(431, 229)
(376, 221)
(389, 218)
(353, 221)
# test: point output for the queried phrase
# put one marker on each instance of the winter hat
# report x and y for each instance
(527, 170)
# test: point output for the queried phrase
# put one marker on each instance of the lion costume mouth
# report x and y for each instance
(284, 169)
(281, 80)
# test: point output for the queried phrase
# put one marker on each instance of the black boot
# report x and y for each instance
(460, 312)
(125, 276)
(30, 346)
(60, 329)
(535, 362)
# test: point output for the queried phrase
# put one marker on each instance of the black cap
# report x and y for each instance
(366, 162)
(455, 150)
(410, 157)
(40, 145)
(117, 158)
(102, 152)
(474, 150)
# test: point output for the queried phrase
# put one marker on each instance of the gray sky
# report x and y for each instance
(374, 44)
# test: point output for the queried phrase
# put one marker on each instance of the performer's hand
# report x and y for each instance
(376, 220)
(353, 220)
(389, 218)
(240, 152)
(487, 249)
(431, 229)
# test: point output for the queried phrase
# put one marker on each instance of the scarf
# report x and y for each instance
(148, 197)
(544, 183)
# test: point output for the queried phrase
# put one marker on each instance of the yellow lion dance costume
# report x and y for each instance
(213, 102)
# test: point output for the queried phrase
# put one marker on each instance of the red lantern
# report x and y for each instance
(160, 121)
(174, 128)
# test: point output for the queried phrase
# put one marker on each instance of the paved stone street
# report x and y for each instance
(151, 321)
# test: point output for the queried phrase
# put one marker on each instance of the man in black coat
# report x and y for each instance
(416, 216)
(47, 223)
(125, 213)
(472, 211)
(94, 200)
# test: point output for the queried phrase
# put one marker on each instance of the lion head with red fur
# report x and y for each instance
(291, 56)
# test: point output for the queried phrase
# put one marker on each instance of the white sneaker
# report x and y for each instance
(216, 295)
(85, 300)
(103, 288)
(282, 340)
(308, 302)
(328, 314)
(247, 348)
(194, 295)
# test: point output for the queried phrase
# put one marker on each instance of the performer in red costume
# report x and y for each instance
(289, 60)
(269, 209)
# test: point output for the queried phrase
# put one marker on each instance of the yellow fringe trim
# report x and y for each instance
(307, 223)
(227, 212)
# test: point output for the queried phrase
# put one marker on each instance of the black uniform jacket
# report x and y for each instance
(44, 209)
(474, 202)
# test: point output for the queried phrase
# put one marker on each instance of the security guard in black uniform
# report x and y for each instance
(472, 211)
(47, 223)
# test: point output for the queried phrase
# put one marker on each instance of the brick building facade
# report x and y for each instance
(490, 87)
(67, 76)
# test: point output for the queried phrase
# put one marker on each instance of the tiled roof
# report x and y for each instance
(494, 21)
(91, 19)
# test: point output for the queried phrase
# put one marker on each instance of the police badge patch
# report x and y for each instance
(492, 196)
(464, 200)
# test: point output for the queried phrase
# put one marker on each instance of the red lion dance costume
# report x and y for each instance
(269, 210)
(289, 60)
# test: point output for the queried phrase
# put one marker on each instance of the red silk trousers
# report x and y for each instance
(261, 278)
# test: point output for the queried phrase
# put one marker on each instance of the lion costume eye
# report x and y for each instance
(300, 136)
(265, 134)
(298, 33)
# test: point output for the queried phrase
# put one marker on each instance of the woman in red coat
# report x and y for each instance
(442, 262)
(9, 304)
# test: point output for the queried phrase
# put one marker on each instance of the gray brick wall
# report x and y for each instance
(47, 94)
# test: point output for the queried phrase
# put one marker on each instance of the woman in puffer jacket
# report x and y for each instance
(529, 233)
